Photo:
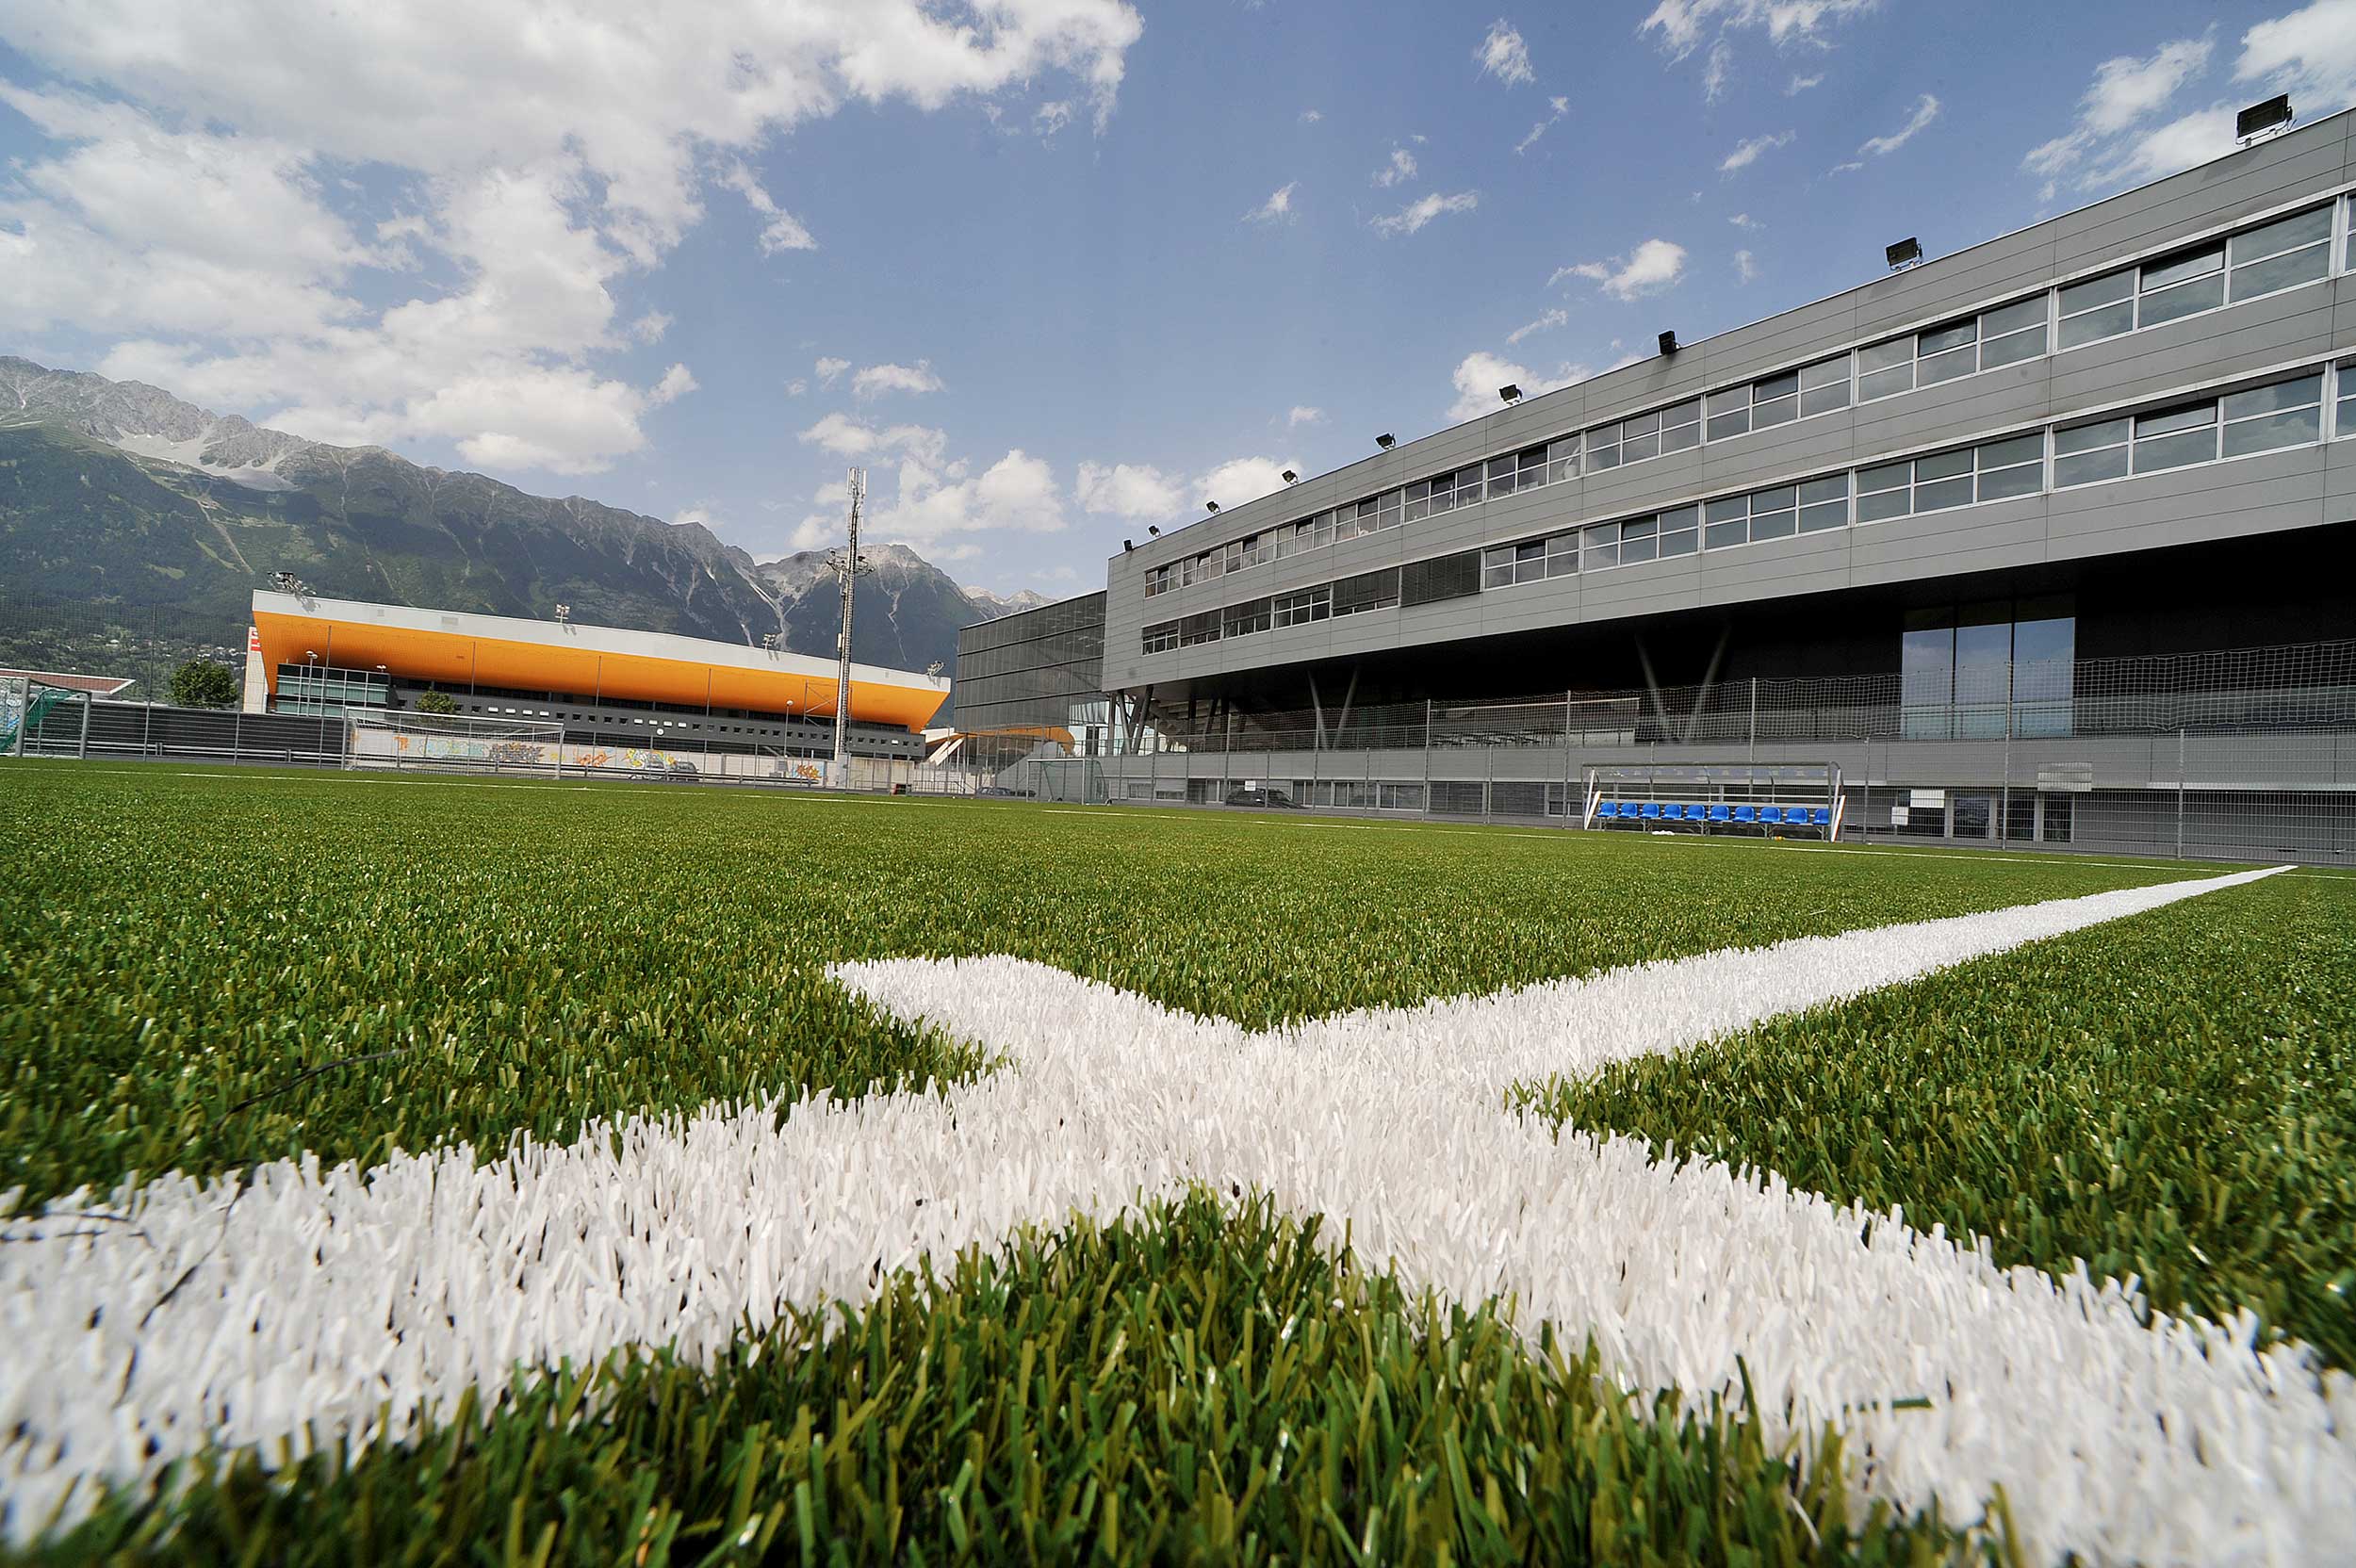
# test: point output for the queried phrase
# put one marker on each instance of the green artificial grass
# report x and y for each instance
(2171, 1097)
(1194, 1384)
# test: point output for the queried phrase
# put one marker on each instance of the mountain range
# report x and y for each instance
(133, 527)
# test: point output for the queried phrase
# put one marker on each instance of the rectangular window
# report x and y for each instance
(1418, 501)
(1502, 471)
(1640, 540)
(1402, 797)
(1729, 412)
(1773, 513)
(2180, 285)
(1943, 479)
(1825, 386)
(1824, 505)
(1246, 618)
(2282, 254)
(1563, 555)
(2344, 425)
(1603, 448)
(1387, 510)
(2012, 333)
(1531, 466)
(1884, 369)
(1310, 604)
(1346, 522)
(1443, 494)
(1680, 531)
(2098, 308)
(1367, 591)
(1600, 548)
(1468, 486)
(1496, 567)
(1156, 581)
(2084, 454)
(2267, 419)
(1161, 638)
(1530, 562)
(1727, 522)
(1562, 459)
(2171, 438)
(1774, 400)
(1883, 491)
(1195, 630)
(1640, 438)
(1681, 425)
(1945, 353)
(2013, 467)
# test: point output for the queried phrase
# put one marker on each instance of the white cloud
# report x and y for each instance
(1849, 168)
(676, 383)
(1747, 153)
(1744, 268)
(781, 231)
(1018, 492)
(1652, 266)
(1480, 374)
(1801, 84)
(795, 387)
(1684, 26)
(1503, 54)
(1243, 479)
(829, 368)
(1310, 117)
(1138, 491)
(1303, 414)
(651, 327)
(874, 380)
(1414, 216)
(1925, 110)
(2125, 91)
(1277, 208)
(847, 438)
(181, 214)
(1744, 220)
(2310, 51)
(1562, 108)
(1716, 70)
(1545, 322)
(1401, 167)
(1049, 118)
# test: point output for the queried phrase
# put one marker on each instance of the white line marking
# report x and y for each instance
(325, 1293)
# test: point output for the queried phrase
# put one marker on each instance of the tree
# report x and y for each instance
(435, 702)
(202, 683)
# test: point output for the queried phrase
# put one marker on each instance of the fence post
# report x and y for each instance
(2180, 795)
(1568, 698)
(2004, 793)
(147, 712)
(81, 748)
(1427, 757)
(1753, 721)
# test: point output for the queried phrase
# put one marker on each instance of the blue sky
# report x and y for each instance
(1052, 270)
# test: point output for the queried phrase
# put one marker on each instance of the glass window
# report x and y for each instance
(1387, 510)
(2181, 285)
(1418, 501)
(1640, 438)
(1882, 491)
(1727, 522)
(1468, 485)
(1563, 555)
(1729, 412)
(2013, 467)
(2267, 419)
(1533, 465)
(1247, 617)
(1640, 540)
(1496, 567)
(1562, 459)
(1603, 448)
(1773, 512)
(1824, 503)
(1530, 561)
(1884, 369)
(1680, 531)
(1943, 480)
(1825, 386)
(2084, 453)
(2098, 308)
(2282, 254)
(1345, 522)
(1681, 425)
(1774, 400)
(1926, 678)
(1501, 475)
(1601, 546)
(2174, 437)
(2012, 333)
(2344, 425)
(1443, 493)
(1945, 353)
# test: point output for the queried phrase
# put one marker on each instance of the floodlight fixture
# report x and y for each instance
(2258, 118)
(1126, 546)
(1668, 342)
(1904, 253)
(1211, 507)
(1509, 394)
(1290, 477)
(1384, 442)
(1153, 528)
(564, 613)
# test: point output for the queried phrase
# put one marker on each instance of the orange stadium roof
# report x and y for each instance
(461, 651)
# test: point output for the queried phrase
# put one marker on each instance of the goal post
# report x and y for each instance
(464, 742)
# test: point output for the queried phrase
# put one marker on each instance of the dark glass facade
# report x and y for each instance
(1030, 670)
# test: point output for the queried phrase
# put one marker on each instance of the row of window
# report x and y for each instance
(2278, 415)
(2265, 259)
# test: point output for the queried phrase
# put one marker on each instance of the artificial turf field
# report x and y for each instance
(203, 973)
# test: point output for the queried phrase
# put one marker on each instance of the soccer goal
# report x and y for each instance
(381, 738)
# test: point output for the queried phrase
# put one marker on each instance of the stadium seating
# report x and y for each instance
(1709, 814)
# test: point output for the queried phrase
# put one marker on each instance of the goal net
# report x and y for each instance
(383, 738)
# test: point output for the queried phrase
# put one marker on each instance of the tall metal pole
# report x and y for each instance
(846, 569)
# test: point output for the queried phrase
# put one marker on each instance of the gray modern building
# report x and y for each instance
(2046, 534)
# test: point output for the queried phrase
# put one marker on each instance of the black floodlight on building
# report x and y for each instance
(2258, 118)
(1126, 546)
(1904, 253)
(1384, 442)
(1668, 342)
(1509, 394)
(1153, 528)
(1290, 477)
(1211, 507)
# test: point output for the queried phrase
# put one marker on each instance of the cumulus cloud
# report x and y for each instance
(1133, 490)
(189, 210)
(1925, 110)
(676, 383)
(1747, 153)
(1683, 26)
(1744, 220)
(1414, 216)
(1561, 106)
(1503, 54)
(1480, 374)
(1305, 414)
(1546, 321)
(1652, 266)
(1400, 167)
(651, 327)
(874, 380)
(1244, 478)
(2310, 52)
(1278, 208)
(844, 436)
(1310, 117)
(1018, 493)
(795, 387)
(1745, 268)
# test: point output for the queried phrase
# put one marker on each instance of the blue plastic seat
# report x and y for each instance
(1692, 812)
(1771, 815)
(1608, 810)
(1722, 812)
(1746, 814)
(1821, 816)
(1651, 812)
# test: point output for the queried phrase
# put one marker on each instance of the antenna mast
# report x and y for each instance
(847, 564)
